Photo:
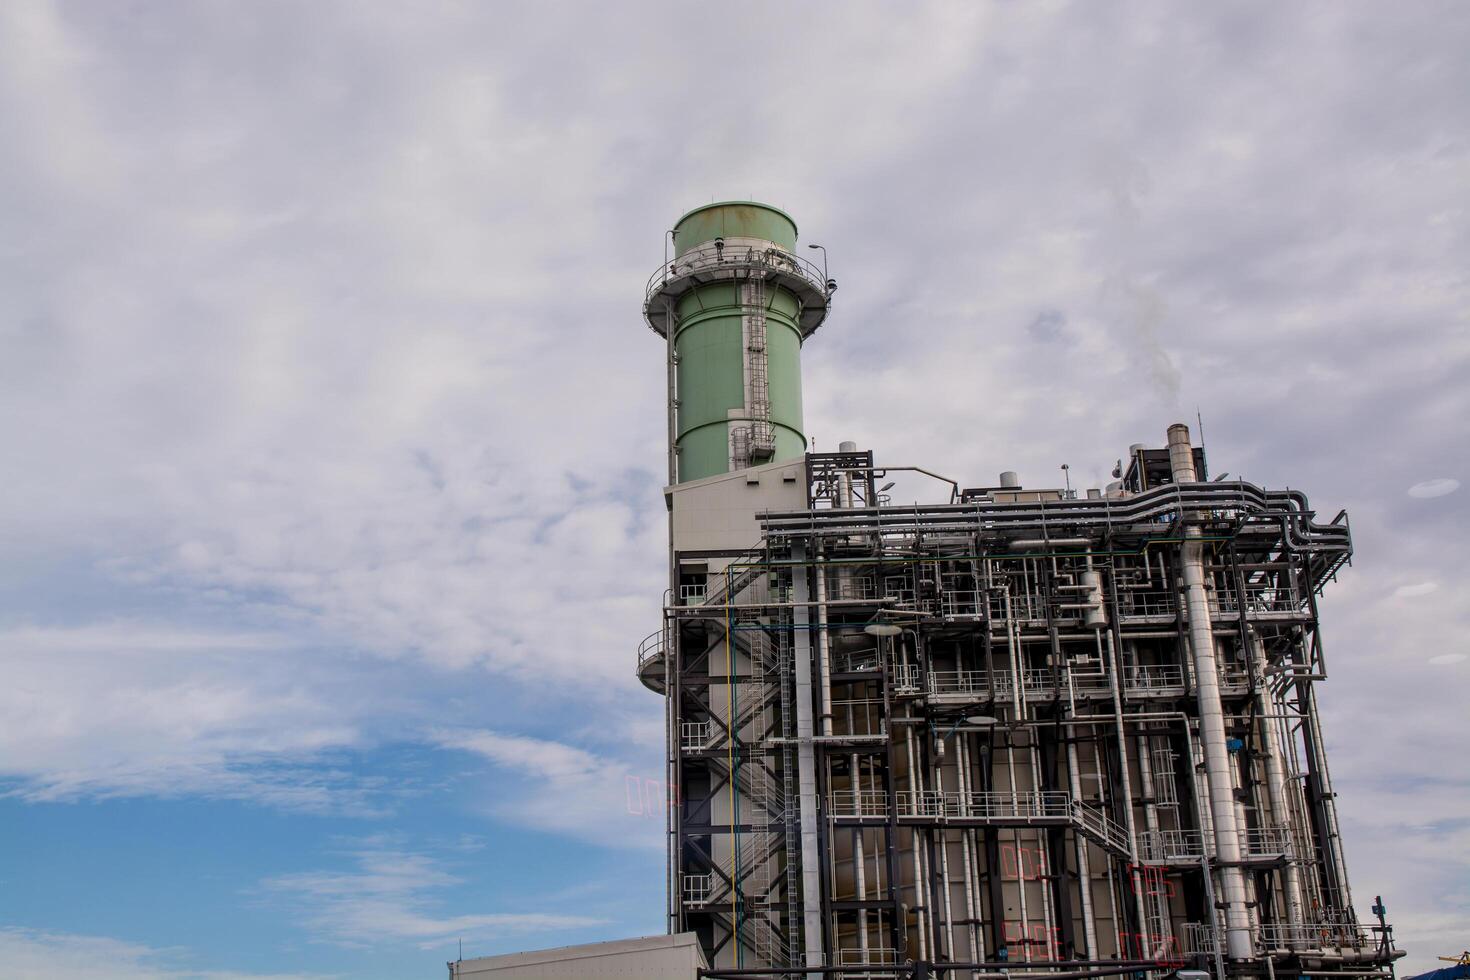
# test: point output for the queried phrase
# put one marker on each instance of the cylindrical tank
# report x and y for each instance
(739, 302)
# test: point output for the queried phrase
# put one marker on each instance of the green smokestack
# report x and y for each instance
(737, 301)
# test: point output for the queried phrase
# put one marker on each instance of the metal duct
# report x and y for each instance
(1211, 717)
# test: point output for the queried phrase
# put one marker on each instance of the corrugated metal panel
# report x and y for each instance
(649, 958)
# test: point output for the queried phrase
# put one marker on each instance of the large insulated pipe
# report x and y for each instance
(1115, 669)
(1104, 794)
(921, 890)
(824, 647)
(1146, 781)
(943, 835)
(1016, 843)
(1043, 854)
(859, 861)
(806, 768)
(739, 301)
(844, 482)
(1221, 790)
(1079, 841)
(967, 841)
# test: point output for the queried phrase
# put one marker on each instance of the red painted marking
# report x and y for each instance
(1022, 863)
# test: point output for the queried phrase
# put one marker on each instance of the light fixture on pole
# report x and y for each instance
(878, 626)
(978, 720)
(828, 283)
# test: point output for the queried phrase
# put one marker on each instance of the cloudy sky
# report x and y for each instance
(330, 510)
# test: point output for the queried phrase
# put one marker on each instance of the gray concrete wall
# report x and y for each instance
(718, 513)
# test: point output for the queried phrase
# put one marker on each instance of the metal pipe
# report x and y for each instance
(1102, 799)
(673, 387)
(1210, 905)
(1016, 843)
(860, 883)
(1317, 767)
(1084, 857)
(1021, 543)
(1298, 817)
(1276, 788)
(733, 764)
(811, 881)
(885, 470)
(824, 643)
(1211, 714)
(1012, 634)
(1290, 506)
(702, 611)
(1151, 821)
(1047, 919)
(921, 899)
(967, 840)
(859, 863)
(671, 779)
(1146, 780)
(1122, 736)
(943, 836)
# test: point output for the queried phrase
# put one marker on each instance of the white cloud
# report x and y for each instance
(1434, 488)
(603, 799)
(1414, 590)
(391, 897)
(127, 709)
(1429, 917)
(31, 954)
(330, 320)
(130, 708)
(547, 760)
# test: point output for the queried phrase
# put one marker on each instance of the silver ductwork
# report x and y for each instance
(1221, 789)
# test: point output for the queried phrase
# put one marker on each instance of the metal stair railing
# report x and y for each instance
(713, 261)
(751, 565)
(1018, 807)
(769, 945)
(1278, 936)
(1188, 846)
(650, 649)
(756, 694)
(1096, 824)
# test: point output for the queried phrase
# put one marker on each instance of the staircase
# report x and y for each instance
(1093, 822)
(768, 873)
(751, 566)
(771, 948)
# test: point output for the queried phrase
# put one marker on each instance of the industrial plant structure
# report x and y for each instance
(1019, 728)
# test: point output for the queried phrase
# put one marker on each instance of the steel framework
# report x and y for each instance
(1016, 730)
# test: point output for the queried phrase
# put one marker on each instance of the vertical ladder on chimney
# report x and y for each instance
(762, 445)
